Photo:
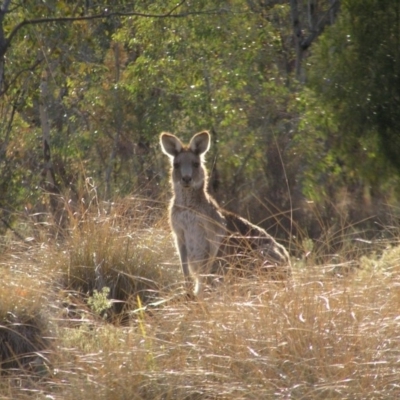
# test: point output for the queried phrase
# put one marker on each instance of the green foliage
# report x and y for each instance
(114, 83)
(217, 71)
(354, 103)
(99, 301)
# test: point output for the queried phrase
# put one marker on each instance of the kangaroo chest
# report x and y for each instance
(209, 222)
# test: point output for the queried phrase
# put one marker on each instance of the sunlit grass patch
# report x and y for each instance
(322, 335)
(325, 338)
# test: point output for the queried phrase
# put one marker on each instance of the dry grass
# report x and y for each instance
(120, 250)
(324, 336)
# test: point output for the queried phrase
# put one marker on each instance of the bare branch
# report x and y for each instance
(324, 20)
(302, 43)
(18, 74)
(104, 14)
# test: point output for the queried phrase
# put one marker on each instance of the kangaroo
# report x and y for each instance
(207, 237)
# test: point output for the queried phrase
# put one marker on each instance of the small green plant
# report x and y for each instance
(99, 302)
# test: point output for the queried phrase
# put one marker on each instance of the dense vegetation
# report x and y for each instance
(302, 101)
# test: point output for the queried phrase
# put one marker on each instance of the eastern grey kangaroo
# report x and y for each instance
(206, 235)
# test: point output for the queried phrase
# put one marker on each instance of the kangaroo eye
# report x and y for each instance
(196, 165)
(176, 165)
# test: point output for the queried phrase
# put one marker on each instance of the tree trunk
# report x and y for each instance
(3, 42)
(117, 134)
(49, 183)
(297, 36)
(317, 22)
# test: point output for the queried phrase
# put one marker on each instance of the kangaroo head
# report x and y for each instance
(187, 160)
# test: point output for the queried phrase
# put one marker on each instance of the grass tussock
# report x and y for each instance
(322, 336)
(24, 327)
(114, 252)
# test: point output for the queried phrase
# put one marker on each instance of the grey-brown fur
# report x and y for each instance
(208, 237)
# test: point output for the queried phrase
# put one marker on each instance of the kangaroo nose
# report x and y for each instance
(186, 179)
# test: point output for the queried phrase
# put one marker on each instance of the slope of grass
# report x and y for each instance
(324, 336)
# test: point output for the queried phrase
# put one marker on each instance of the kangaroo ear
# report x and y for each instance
(170, 144)
(200, 143)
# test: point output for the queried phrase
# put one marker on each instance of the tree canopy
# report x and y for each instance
(301, 99)
(354, 72)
